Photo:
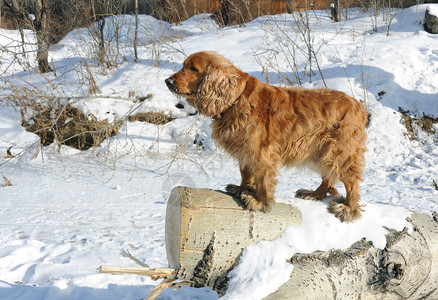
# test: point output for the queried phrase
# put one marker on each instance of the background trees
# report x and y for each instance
(51, 20)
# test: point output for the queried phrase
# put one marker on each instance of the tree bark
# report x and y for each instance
(335, 10)
(41, 30)
(207, 230)
(101, 53)
(136, 32)
(19, 16)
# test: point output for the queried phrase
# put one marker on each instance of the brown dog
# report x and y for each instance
(266, 127)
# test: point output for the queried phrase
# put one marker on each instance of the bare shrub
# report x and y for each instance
(293, 53)
(105, 34)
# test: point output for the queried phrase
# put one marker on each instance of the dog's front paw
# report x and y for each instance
(234, 190)
(247, 196)
(343, 212)
(253, 204)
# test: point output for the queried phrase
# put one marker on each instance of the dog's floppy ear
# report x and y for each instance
(220, 87)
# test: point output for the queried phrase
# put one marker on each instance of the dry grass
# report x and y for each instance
(6, 182)
(425, 123)
(157, 118)
(69, 126)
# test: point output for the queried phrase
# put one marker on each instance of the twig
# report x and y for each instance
(88, 97)
(159, 289)
(8, 153)
(166, 284)
(136, 260)
(6, 182)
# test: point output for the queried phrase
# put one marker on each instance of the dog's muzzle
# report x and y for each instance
(171, 84)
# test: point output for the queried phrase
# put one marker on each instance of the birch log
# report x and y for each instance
(207, 230)
(406, 269)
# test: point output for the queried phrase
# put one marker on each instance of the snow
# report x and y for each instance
(68, 212)
(433, 10)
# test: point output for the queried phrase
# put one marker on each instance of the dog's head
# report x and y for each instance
(209, 82)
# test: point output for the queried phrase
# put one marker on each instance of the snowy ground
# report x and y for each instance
(68, 212)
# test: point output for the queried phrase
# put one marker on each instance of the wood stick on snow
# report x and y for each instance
(154, 273)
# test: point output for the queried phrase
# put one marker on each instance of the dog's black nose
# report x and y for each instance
(170, 82)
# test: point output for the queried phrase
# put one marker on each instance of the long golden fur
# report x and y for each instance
(266, 127)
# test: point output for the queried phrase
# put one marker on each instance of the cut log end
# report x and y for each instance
(207, 230)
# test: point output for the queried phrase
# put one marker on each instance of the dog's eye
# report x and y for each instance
(193, 68)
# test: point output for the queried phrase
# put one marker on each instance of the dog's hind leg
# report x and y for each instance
(348, 209)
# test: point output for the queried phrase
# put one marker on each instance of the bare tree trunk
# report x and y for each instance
(19, 19)
(376, 14)
(346, 9)
(101, 41)
(336, 13)
(41, 26)
(136, 32)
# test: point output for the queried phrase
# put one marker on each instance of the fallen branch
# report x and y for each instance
(154, 273)
(166, 284)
